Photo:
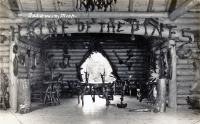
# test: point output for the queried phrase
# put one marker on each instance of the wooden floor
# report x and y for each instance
(69, 112)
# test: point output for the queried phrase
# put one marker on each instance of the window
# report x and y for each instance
(94, 65)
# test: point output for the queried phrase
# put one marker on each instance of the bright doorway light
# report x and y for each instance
(95, 65)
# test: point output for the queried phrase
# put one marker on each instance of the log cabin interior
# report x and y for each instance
(151, 48)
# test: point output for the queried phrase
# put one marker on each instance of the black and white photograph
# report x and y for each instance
(99, 61)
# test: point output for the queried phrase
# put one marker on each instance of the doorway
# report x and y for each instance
(95, 65)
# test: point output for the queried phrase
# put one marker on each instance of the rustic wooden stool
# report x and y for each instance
(52, 95)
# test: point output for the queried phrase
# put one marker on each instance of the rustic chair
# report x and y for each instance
(52, 93)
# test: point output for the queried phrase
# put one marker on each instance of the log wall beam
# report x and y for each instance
(186, 6)
(186, 18)
(95, 14)
(95, 28)
(182, 21)
(13, 80)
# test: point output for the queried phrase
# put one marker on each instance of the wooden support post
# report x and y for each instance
(13, 80)
(173, 82)
(23, 96)
(161, 88)
(186, 6)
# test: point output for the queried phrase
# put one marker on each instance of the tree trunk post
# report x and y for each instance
(24, 96)
(161, 87)
(13, 79)
(172, 83)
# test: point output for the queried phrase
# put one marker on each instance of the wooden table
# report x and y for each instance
(103, 90)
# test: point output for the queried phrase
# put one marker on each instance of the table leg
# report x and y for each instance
(82, 95)
(107, 99)
(130, 91)
(93, 96)
(46, 95)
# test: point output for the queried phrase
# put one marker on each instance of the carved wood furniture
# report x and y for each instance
(147, 91)
(103, 90)
(52, 93)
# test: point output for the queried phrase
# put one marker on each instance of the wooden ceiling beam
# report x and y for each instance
(74, 5)
(130, 7)
(7, 12)
(39, 5)
(97, 14)
(150, 5)
(183, 20)
(57, 5)
(168, 3)
(149, 9)
(172, 6)
(186, 6)
(19, 5)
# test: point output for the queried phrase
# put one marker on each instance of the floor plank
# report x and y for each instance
(69, 112)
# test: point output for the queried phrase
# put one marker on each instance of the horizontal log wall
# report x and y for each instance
(186, 75)
(38, 73)
(78, 48)
(4, 57)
